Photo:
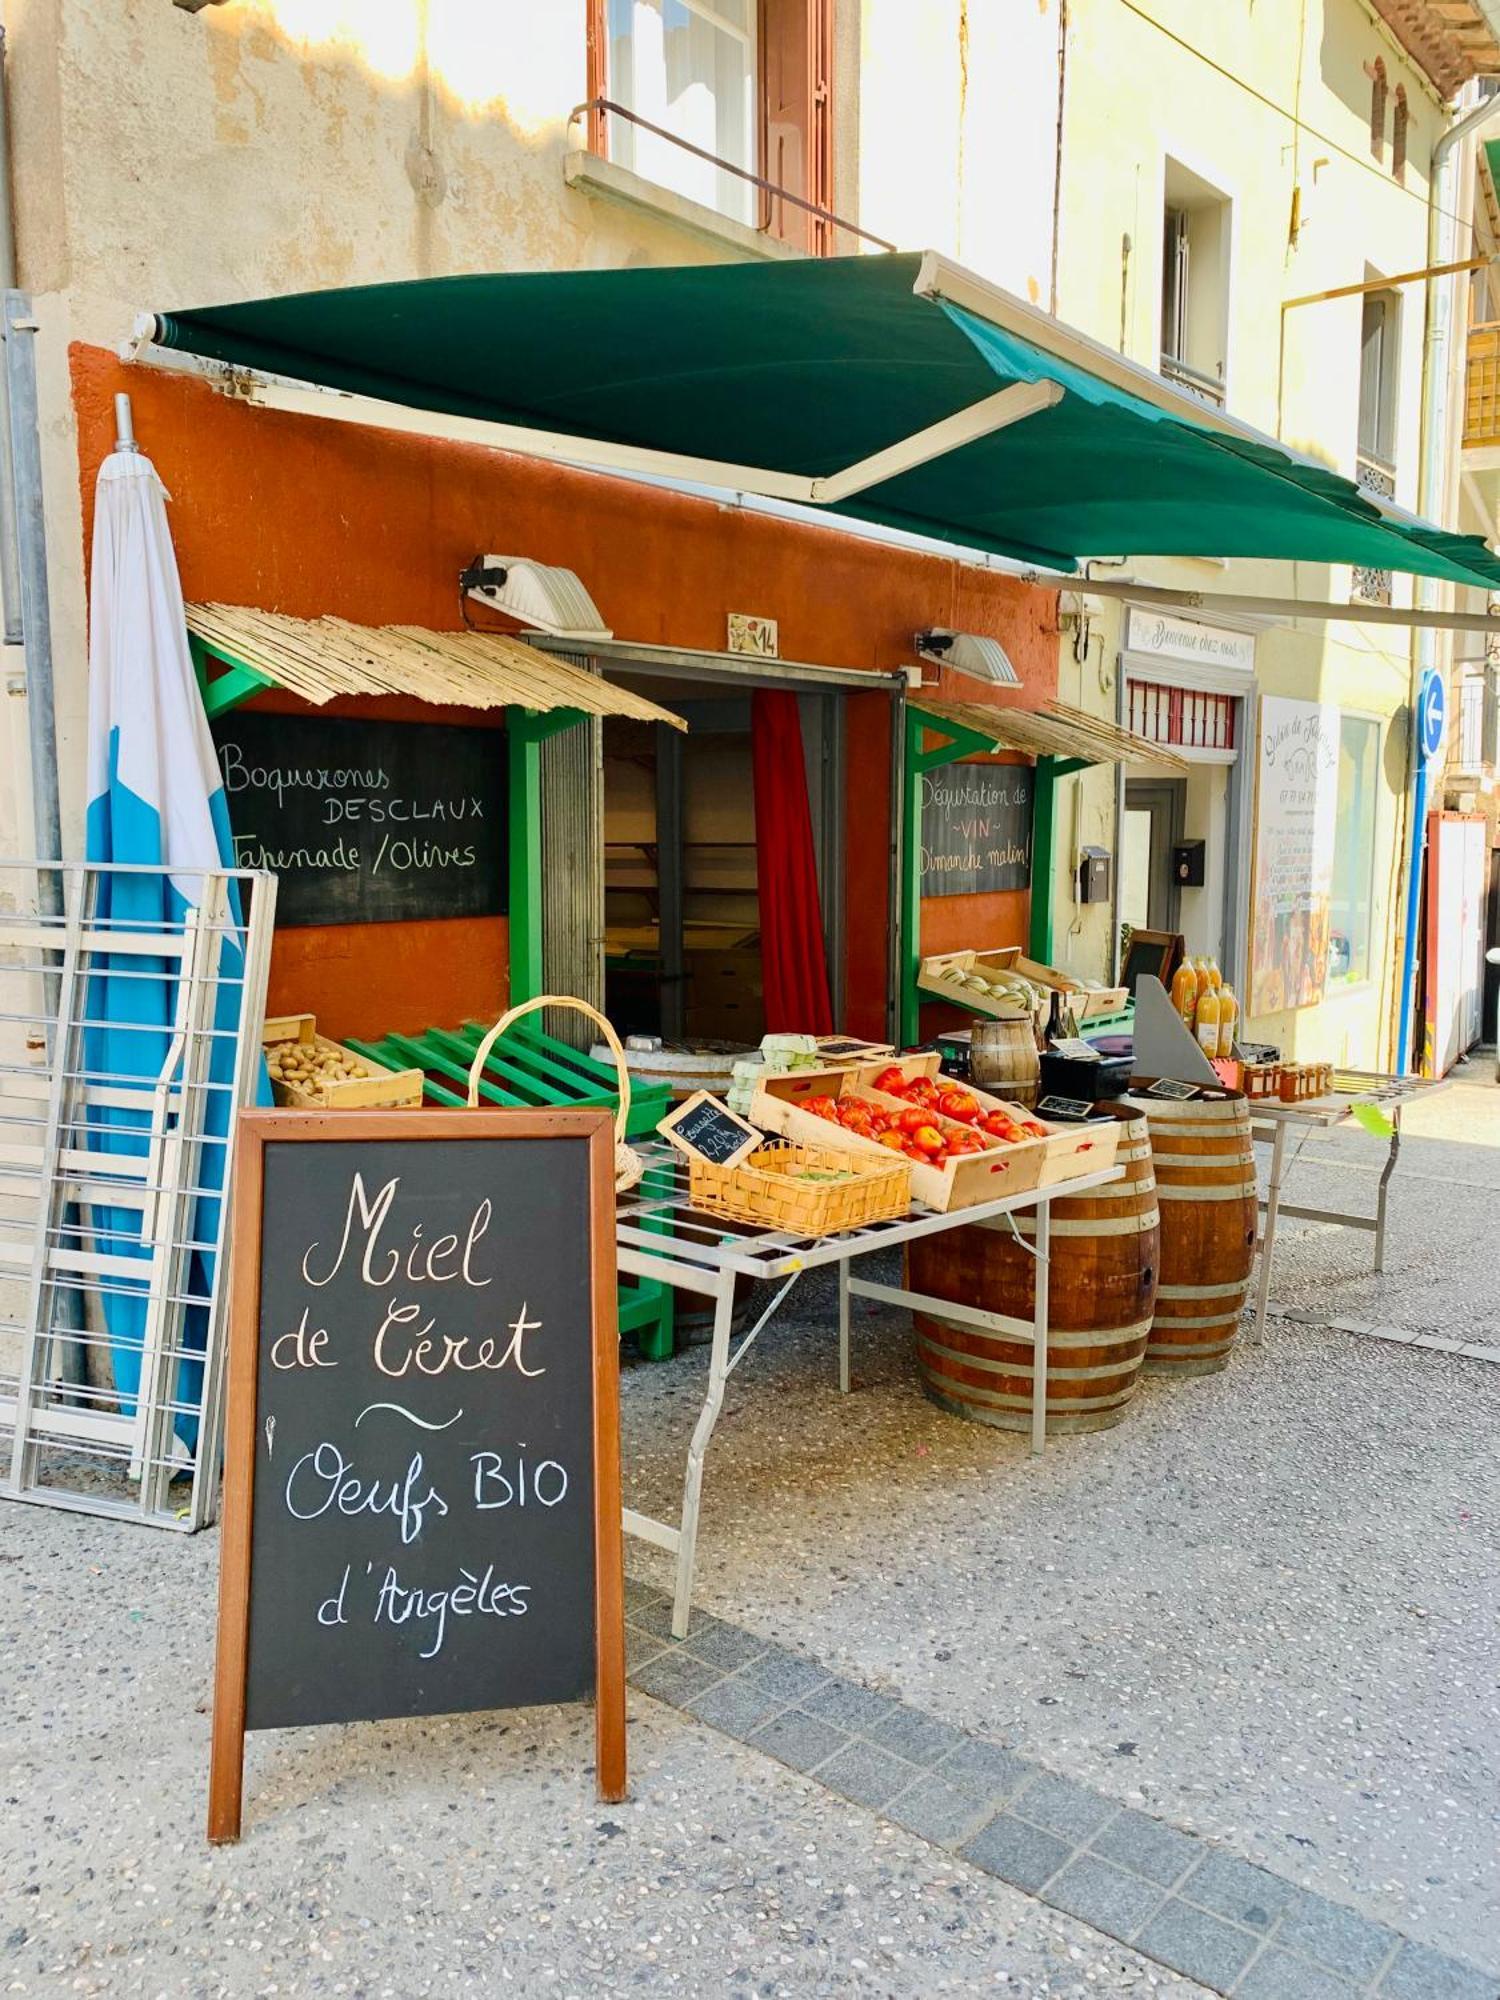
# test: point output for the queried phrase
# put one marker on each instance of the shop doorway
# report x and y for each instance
(681, 901)
(1155, 814)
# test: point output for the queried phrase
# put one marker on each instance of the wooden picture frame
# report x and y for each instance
(257, 1129)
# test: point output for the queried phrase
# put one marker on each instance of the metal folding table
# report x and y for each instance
(1389, 1094)
(660, 1236)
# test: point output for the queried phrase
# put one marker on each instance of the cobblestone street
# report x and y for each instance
(949, 1720)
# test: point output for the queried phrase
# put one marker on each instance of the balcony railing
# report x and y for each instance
(1482, 388)
(1210, 388)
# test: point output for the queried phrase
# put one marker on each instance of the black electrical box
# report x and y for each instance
(1093, 875)
(1188, 864)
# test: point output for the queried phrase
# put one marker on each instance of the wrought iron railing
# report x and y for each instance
(1377, 476)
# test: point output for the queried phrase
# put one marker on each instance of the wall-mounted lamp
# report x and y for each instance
(968, 653)
(543, 598)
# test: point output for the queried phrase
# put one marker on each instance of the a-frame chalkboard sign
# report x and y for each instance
(422, 1459)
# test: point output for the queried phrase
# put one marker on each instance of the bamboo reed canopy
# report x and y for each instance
(1059, 730)
(318, 658)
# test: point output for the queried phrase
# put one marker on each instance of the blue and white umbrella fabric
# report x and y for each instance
(156, 799)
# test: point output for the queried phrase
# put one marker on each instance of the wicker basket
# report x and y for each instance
(763, 1190)
(629, 1166)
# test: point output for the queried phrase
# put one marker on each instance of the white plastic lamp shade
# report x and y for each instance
(545, 599)
(968, 653)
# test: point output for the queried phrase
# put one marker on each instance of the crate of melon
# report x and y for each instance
(954, 1162)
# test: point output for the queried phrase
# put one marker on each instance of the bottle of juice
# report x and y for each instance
(1215, 977)
(1185, 992)
(1208, 1022)
(1200, 968)
(1229, 1014)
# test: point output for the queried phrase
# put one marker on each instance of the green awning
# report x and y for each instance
(783, 376)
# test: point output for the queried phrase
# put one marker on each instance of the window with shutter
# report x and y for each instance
(746, 82)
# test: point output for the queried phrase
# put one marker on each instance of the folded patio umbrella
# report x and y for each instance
(155, 800)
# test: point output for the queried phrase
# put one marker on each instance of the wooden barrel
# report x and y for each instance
(1105, 1252)
(1205, 1177)
(1003, 1060)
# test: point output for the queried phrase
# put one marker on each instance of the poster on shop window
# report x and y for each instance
(1296, 815)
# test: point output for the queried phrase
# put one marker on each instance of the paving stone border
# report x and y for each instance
(1400, 1336)
(1235, 1927)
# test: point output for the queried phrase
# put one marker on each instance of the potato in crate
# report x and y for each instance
(309, 1072)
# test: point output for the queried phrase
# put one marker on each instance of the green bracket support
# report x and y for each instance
(1044, 852)
(525, 732)
(954, 741)
(226, 690)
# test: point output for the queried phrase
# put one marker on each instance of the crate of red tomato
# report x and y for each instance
(964, 1145)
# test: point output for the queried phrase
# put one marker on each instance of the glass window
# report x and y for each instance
(1354, 850)
(689, 67)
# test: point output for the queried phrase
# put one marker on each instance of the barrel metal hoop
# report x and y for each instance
(1121, 1225)
(1201, 1291)
(1242, 1192)
(1023, 1369)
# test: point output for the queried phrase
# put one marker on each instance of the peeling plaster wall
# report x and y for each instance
(163, 158)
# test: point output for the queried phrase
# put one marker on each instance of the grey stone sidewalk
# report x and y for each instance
(1262, 1609)
(1235, 1927)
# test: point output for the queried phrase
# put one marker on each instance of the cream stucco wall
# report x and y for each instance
(1260, 104)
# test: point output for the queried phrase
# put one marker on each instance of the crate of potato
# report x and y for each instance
(311, 1073)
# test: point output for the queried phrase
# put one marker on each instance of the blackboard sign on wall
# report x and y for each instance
(422, 1492)
(976, 829)
(367, 822)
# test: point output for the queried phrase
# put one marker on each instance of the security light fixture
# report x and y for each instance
(968, 653)
(535, 595)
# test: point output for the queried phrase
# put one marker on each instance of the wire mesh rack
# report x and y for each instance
(131, 1003)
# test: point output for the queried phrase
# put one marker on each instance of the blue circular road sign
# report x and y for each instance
(1432, 715)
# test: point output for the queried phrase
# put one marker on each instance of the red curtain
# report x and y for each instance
(794, 968)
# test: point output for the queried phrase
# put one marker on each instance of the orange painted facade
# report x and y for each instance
(295, 515)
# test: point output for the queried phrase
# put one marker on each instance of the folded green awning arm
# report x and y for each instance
(807, 368)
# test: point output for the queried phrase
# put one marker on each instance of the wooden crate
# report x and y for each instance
(373, 1087)
(1066, 1151)
(939, 974)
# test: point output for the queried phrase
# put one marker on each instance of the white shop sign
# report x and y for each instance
(1159, 635)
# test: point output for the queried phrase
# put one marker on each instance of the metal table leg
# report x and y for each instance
(1268, 1229)
(843, 1268)
(1386, 1172)
(692, 1485)
(1043, 1242)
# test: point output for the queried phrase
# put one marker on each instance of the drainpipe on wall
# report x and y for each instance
(10, 580)
(1431, 495)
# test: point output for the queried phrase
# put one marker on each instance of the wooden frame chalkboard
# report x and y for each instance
(271, 1148)
(704, 1128)
(1156, 952)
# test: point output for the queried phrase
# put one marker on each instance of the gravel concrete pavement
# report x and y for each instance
(1263, 1609)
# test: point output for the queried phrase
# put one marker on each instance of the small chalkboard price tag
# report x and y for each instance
(422, 1453)
(705, 1128)
(1070, 1110)
(842, 1049)
(1168, 1086)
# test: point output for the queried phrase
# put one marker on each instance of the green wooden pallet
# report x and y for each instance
(530, 1070)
